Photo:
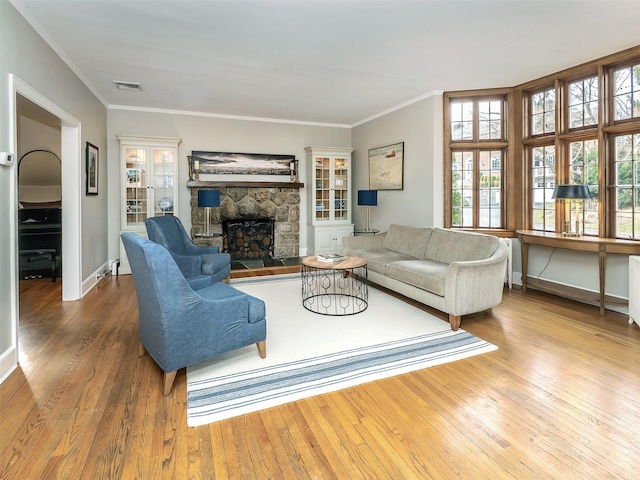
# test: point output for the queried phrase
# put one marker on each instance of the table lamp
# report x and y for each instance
(208, 199)
(368, 199)
(569, 193)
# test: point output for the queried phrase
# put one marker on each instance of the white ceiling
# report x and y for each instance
(328, 61)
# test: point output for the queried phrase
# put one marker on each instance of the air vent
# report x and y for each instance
(128, 86)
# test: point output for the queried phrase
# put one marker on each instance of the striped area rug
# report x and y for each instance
(310, 354)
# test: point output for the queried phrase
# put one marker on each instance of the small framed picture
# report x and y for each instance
(92, 169)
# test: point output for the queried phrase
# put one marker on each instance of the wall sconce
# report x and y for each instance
(368, 199)
(569, 193)
(208, 199)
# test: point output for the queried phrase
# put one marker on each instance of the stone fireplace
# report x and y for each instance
(277, 202)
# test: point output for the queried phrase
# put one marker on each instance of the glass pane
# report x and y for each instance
(462, 120)
(583, 102)
(627, 92)
(136, 185)
(542, 118)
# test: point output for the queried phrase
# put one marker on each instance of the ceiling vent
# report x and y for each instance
(128, 86)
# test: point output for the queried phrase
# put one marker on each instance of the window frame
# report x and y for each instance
(475, 145)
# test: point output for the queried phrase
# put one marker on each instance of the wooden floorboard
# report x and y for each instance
(560, 398)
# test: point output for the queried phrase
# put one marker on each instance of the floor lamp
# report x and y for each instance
(569, 193)
(208, 199)
(368, 199)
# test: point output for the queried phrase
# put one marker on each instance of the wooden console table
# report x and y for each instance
(602, 246)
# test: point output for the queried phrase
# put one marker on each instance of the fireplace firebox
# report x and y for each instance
(248, 238)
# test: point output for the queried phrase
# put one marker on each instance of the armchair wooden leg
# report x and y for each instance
(227, 279)
(169, 377)
(141, 350)
(454, 320)
(262, 348)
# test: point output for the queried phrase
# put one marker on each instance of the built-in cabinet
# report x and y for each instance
(149, 186)
(330, 209)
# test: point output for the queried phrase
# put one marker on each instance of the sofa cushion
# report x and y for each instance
(446, 246)
(424, 274)
(378, 258)
(408, 240)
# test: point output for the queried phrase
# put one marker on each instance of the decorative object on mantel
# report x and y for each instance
(386, 166)
(208, 199)
(568, 193)
(293, 167)
(242, 163)
(190, 162)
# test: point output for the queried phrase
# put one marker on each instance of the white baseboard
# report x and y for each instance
(8, 363)
(92, 281)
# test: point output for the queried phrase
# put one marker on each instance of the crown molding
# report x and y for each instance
(433, 93)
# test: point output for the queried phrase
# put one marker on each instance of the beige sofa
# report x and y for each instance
(453, 271)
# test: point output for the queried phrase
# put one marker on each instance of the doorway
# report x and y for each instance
(70, 156)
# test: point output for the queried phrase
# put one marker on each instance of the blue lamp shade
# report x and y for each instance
(573, 192)
(208, 198)
(368, 198)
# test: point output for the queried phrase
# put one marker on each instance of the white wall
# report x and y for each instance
(24, 54)
(212, 134)
(419, 126)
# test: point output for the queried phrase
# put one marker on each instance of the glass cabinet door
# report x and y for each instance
(323, 188)
(136, 183)
(163, 191)
(341, 191)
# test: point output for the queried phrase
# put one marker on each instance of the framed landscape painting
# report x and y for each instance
(243, 163)
(386, 167)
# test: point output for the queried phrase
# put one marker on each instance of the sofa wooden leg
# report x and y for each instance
(141, 350)
(262, 348)
(169, 377)
(454, 320)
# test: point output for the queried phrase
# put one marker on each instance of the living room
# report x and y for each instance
(416, 121)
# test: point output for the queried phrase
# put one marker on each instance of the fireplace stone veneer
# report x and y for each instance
(280, 204)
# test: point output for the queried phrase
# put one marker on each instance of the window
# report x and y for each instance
(626, 193)
(544, 181)
(627, 92)
(583, 103)
(583, 168)
(543, 112)
(579, 126)
(477, 149)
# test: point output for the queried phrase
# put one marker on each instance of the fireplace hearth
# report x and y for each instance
(248, 238)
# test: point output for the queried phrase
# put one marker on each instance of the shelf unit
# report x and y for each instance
(149, 187)
(329, 200)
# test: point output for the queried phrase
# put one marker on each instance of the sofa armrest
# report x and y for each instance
(474, 286)
(362, 242)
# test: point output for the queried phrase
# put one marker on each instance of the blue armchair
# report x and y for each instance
(201, 266)
(180, 326)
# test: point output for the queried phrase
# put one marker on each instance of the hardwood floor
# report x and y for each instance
(560, 398)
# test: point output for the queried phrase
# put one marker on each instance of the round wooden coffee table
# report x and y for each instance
(335, 288)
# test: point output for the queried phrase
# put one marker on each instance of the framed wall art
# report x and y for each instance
(243, 163)
(386, 167)
(92, 169)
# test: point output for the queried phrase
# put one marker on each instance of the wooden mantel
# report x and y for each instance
(208, 184)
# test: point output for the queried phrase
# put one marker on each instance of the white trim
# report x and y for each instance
(92, 281)
(8, 362)
(399, 107)
(71, 158)
(224, 116)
